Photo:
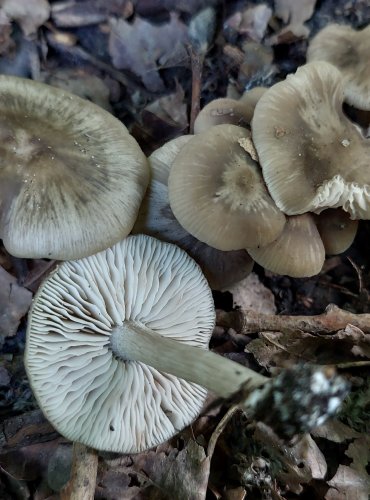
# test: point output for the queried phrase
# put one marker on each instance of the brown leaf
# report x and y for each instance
(359, 451)
(142, 47)
(282, 348)
(348, 484)
(14, 304)
(294, 11)
(171, 109)
(251, 294)
(335, 431)
(29, 14)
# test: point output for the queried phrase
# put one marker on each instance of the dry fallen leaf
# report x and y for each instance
(143, 47)
(252, 21)
(171, 108)
(335, 431)
(14, 304)
(251, 294)
(280, 348)
(348, 484)
(295, 13)
(29, 14)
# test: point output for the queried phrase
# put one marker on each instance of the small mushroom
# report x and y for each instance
(217, 193)
(336, 229)
(106, 332)
(71, 176)
(348, 50)
(156, 219)
(298, 252)
(223, 110)
(312, 156)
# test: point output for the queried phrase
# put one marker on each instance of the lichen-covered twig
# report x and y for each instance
(332, 320)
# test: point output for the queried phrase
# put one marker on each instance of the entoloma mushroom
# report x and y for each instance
(217, 193)
(312, 156)
(106, 332)
(71, 176)
(156, 219)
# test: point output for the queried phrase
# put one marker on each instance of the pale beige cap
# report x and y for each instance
(297, 252)
(217, 193)
(312, 156)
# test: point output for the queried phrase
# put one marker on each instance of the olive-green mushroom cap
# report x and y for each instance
(312, 156)
(223, 110)
(71, 176)
(336, 229)
(298, 252)
(156, 219)
(217, 193)
(348, 50)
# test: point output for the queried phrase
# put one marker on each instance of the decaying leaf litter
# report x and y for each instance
(96, 49)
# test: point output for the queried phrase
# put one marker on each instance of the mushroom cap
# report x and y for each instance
(156, 219)
(251, 97)
(223, 110)
(336, 229)
(217, 193)
(298, 252)
(88, 394)
(348, 50)
(71, 176)
(312, 156)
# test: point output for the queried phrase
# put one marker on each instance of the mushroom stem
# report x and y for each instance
(295, 401)
(135, 342)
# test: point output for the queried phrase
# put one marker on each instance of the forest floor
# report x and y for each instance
(96, 49)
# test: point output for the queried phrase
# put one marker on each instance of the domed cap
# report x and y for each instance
(223, 110)
(297, 252)
(348, 50)
(156, 219)
(336, 229)
(88, 394)
(312, 156)
(71, 176)
(217, 193)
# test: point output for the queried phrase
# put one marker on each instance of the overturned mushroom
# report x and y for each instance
(217, 193)
(312, 156)
(297, 252)
(102, 330)
(156, 219)
(71, 176)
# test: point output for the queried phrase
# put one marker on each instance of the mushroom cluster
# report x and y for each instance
(283, 171)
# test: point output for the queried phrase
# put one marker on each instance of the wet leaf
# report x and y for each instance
(14, 304)
(143, 47)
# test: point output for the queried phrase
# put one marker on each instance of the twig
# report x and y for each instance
(332, 320)
(81, 485)
(197, 60)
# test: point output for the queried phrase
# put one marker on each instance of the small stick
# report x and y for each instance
(332, 320)
(197, 60)
(81, 485)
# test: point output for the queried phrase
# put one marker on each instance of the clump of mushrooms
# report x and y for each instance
(71, 176)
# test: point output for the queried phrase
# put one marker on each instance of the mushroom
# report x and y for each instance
(106, 332)
(223, 110)
(217, 193)
(312, 156)
(348, 50)
(156, 219)
(71, 176)
(336, 229)
(298, 252)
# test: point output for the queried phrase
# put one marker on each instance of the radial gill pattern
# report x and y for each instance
(88, 394)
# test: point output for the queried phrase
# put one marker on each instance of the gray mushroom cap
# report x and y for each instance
(156, 219)
(217, 193)
(312, 156)
(88, 394)
(348, 50)
(71, 176)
